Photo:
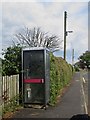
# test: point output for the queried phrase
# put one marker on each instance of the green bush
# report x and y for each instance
(60, 76)
(11, 105)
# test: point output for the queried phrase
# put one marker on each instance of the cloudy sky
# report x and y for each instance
(49, 15)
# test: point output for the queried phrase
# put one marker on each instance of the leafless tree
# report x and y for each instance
(36, 38)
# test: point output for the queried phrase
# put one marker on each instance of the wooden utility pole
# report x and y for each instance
(65, 34)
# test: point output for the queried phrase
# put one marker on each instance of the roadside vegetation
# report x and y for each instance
(12, 106)
(60, 76)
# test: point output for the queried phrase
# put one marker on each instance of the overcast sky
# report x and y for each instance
(49, 16)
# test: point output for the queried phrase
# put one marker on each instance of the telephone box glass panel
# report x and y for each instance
(33, 76)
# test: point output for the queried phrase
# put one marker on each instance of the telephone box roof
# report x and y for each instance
(35, 48)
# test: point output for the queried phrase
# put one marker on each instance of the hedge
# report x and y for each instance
(60, 76)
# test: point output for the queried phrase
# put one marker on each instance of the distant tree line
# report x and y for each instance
(84, 61)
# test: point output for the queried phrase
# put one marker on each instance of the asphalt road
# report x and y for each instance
(89, 92)
(84, 80)
(86, 88)
(71, 103)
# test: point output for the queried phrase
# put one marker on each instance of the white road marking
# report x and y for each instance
(85, 104)
(84, 80)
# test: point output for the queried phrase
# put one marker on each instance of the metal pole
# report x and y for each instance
(65, 34)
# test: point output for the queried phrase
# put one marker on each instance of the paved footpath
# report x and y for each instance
(70, 104)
